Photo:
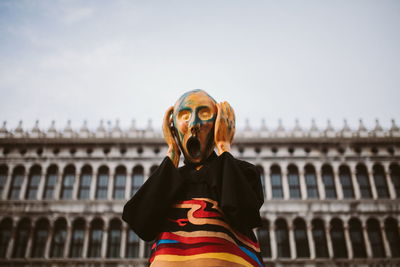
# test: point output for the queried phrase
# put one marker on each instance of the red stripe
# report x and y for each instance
(189, 240)
(201, 213)
(194, 240)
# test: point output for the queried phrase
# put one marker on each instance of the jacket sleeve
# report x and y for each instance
(240, 192)
(145, 212)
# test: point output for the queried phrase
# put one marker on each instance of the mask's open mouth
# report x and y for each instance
(193, 147)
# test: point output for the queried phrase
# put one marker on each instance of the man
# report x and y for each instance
(201, 214)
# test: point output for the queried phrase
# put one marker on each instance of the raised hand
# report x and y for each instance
(224, 127)
(173, 149)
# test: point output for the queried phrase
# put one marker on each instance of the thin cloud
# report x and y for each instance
(75, 15)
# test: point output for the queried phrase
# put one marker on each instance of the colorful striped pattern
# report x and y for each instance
(199, 236)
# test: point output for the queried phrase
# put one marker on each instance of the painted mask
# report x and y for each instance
(193, 122)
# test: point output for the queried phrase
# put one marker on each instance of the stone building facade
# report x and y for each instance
(331, 195)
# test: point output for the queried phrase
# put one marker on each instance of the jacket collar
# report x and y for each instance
(206, 161)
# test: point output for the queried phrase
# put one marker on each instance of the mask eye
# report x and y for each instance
(184, 115)
(205, 114)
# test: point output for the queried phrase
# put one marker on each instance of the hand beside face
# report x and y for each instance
(173, 148)
(224, 127)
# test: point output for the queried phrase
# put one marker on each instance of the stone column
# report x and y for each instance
(386, 244)
(329, 240)
(86, 238)
(128, 184)
(92, 192)
(285, 185)
(12, 241)
(389, 182)
(303, 187)
(320, 183)
(267, 179)
(338, 185)
(356, 186)
(58, 186)
(347, 239)
(24, 185)
(48, 241)
(6, 188)
(41, 186)
(124, 231)
(104, 241)
(372, 182)
(28, 251)
(274, 252)
(310, 240)
(141, 248)
(110, 186)
(67, 239)
(366, 238)
(76, 186)
(292, 241)
(146, 171)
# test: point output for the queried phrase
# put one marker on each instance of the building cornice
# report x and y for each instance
(115, 134)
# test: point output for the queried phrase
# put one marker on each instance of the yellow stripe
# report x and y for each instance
(221, 256)
(194, 234)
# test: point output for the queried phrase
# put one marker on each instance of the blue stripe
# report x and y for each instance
(251, 255)
(166, 241)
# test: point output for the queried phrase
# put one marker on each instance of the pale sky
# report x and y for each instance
(92, 60)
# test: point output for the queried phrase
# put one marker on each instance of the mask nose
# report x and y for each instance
(195, 129)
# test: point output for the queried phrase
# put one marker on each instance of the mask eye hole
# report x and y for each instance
(205, 114)
(184, 115)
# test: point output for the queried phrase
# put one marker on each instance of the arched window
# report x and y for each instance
(59, 237)
(5, 236)
(300, 237)
(311, 182)
(21, 238)
(294, 182)
(84, 182)
(363, 181)
(375, 238)
(102, 183)
(132, 245)
(153, 169)
(264, 240)
(39, 238)
(319, 236)
(346, 182)
(119, 183)
(261, 172)
(114, 239)
(393, 236)
(282, 238)
(16, 183)
(395, 176)
(51, 181)
(380, 181)
(33, 182)
(338, 240)
(3, 178)
(329, 182)
(68, 182)
(276, 182)
(357, 239)
(137, 179)
(77, 237)
(95, 238)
